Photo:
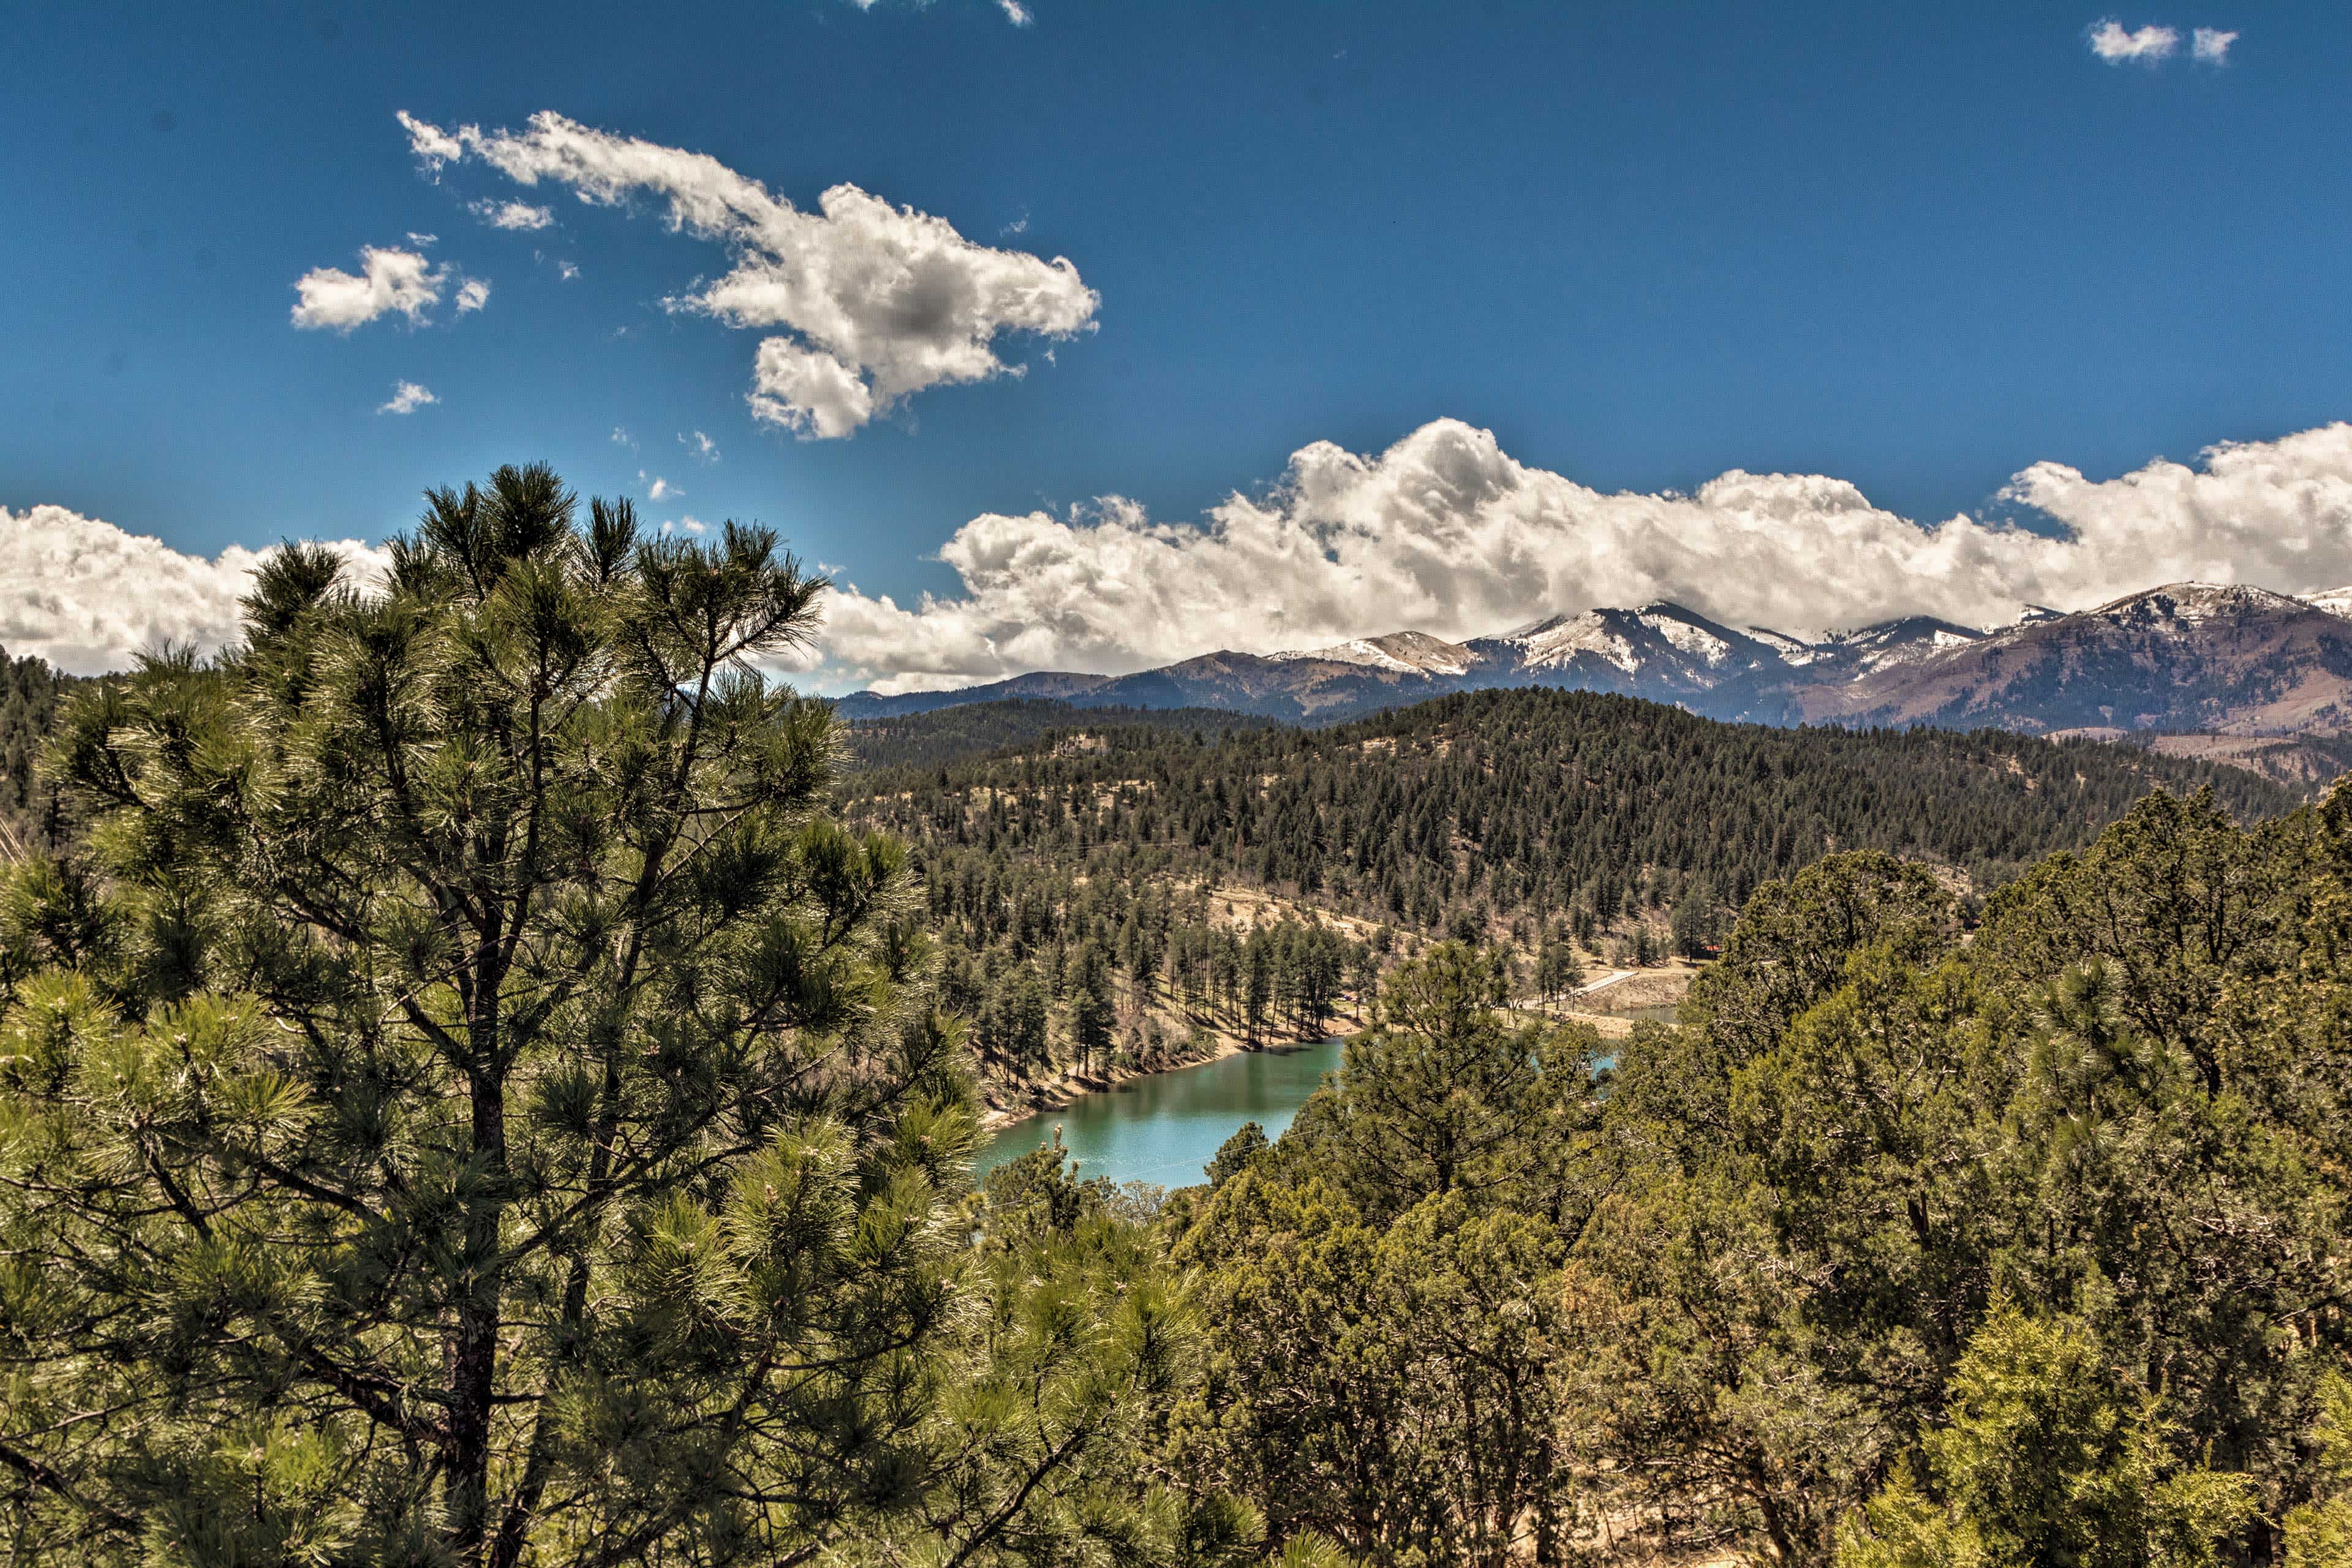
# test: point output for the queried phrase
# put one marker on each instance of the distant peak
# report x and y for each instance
(2196, 601)
(1404, 653)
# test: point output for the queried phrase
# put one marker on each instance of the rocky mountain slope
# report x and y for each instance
(2185, 656)
(2189, 655)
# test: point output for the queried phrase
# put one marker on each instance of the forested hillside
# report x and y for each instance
(471, 1102)
(1905, 1247)
(1533, 802)
(29, 694)
(950, 734)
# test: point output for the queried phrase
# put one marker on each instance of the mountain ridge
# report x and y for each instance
(2224, 658)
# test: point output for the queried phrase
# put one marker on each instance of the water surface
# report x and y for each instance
(1164, 1128)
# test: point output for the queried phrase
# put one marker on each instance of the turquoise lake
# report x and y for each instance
(1164, 1128)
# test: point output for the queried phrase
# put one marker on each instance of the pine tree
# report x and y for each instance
(502, 1117)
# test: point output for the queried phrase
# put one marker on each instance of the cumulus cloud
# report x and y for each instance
(472, 295)
(511, 215)
(390, 281)
(2211, 45)
(872, 302)
(2146, 45)
(1447, 533)
(657, 487)
(1442, 532)
(89, 597)
(407, 397)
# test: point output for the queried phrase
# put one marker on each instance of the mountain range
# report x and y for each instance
(2202, 657)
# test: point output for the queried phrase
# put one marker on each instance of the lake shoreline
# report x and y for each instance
(1060, 1091)
(1009, 1104)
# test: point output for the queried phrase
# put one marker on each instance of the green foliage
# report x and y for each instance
(1383, 1306)
(472, 1104)
(2048, 1458)
(975, 729)
(30, 693)
(2319, 1532)
(1535, 803)
(466, 1099)
(2019, 1245)
(1235, 1154)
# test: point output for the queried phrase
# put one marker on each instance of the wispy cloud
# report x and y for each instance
(473, 294)
(407, 397)
(699, 445)
(1014, 11)
(511, 215)
(657, 487)
(2145, 46)
(874, 302)
(2211, 45)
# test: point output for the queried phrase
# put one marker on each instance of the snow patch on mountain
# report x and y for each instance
(1402, 653)
(1792, 651)
(1549, 644)
(2178, 606)
(1906, 641)
(1671, 621)
(2334, 601)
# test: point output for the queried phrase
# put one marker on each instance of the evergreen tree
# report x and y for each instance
(491, 1111)
(2047, 1459)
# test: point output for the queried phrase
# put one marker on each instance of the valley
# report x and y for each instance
(1132, 892)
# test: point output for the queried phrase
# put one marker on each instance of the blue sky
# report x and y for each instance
(1916, 249)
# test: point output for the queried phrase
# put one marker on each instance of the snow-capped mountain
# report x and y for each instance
(2334, 601)
(1905, 641)
(1406, 653)
(2186, 656)
(2189, 655)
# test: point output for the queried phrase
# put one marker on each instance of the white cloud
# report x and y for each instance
(877, 302)
(432, 145)
(423, 241)
(700, 446)
(407, 397)
(388, 281)
(1445, 532)
(566, 270)
(621, 439)
(89, 597)
(2211, 45)
(2113, 44)
(472, 295)
(659, 489)
(511, 215)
